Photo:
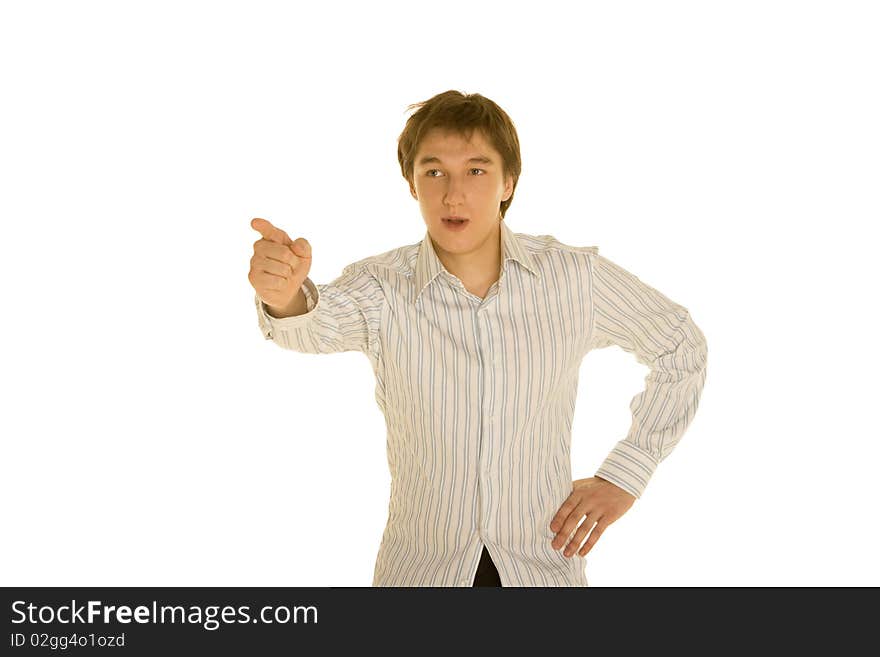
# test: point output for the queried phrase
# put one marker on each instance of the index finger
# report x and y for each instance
(270, 232)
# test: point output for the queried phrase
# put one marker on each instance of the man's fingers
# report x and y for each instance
(301, 247)
(276, 251)
(270, 232)
(601, 504)
(273, 267)
(579, 535)
(562, 514)
(594, 536)
(569, 526)
(270, 282)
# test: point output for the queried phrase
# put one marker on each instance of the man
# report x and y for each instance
(476, 335)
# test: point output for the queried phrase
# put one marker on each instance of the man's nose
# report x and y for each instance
(454, 193)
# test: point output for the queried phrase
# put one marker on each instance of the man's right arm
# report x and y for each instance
(342, 315)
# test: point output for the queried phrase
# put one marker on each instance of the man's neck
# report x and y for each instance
(478, 269)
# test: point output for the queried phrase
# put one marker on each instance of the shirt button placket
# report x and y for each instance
(488, 424)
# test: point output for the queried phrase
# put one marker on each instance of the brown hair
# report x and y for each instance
(461, 113)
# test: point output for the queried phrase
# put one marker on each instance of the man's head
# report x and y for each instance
(460, 155)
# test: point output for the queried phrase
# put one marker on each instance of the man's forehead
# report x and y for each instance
(467, 135)
(439, 141)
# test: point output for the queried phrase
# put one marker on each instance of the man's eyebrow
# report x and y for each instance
(481, 159)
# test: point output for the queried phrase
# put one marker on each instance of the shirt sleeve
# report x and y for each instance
(662, 335)
(341, 316)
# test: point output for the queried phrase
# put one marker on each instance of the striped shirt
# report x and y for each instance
(479, 394)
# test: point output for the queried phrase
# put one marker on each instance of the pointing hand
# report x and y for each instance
(279, 265)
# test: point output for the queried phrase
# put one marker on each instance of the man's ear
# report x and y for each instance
(508, 188)
(412, 191)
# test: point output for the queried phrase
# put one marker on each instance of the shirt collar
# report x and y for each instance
(428, 265)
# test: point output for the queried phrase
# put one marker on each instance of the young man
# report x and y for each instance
(476, 335)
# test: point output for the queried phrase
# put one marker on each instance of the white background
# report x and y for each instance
(725, 153)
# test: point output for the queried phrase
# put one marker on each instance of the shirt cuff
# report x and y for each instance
(270, 325)
(628, 467)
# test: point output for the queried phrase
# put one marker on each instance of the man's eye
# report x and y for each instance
(430, 172)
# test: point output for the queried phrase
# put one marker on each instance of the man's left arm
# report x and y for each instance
(662, 335)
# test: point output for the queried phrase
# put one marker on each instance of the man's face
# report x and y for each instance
(456, 177)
